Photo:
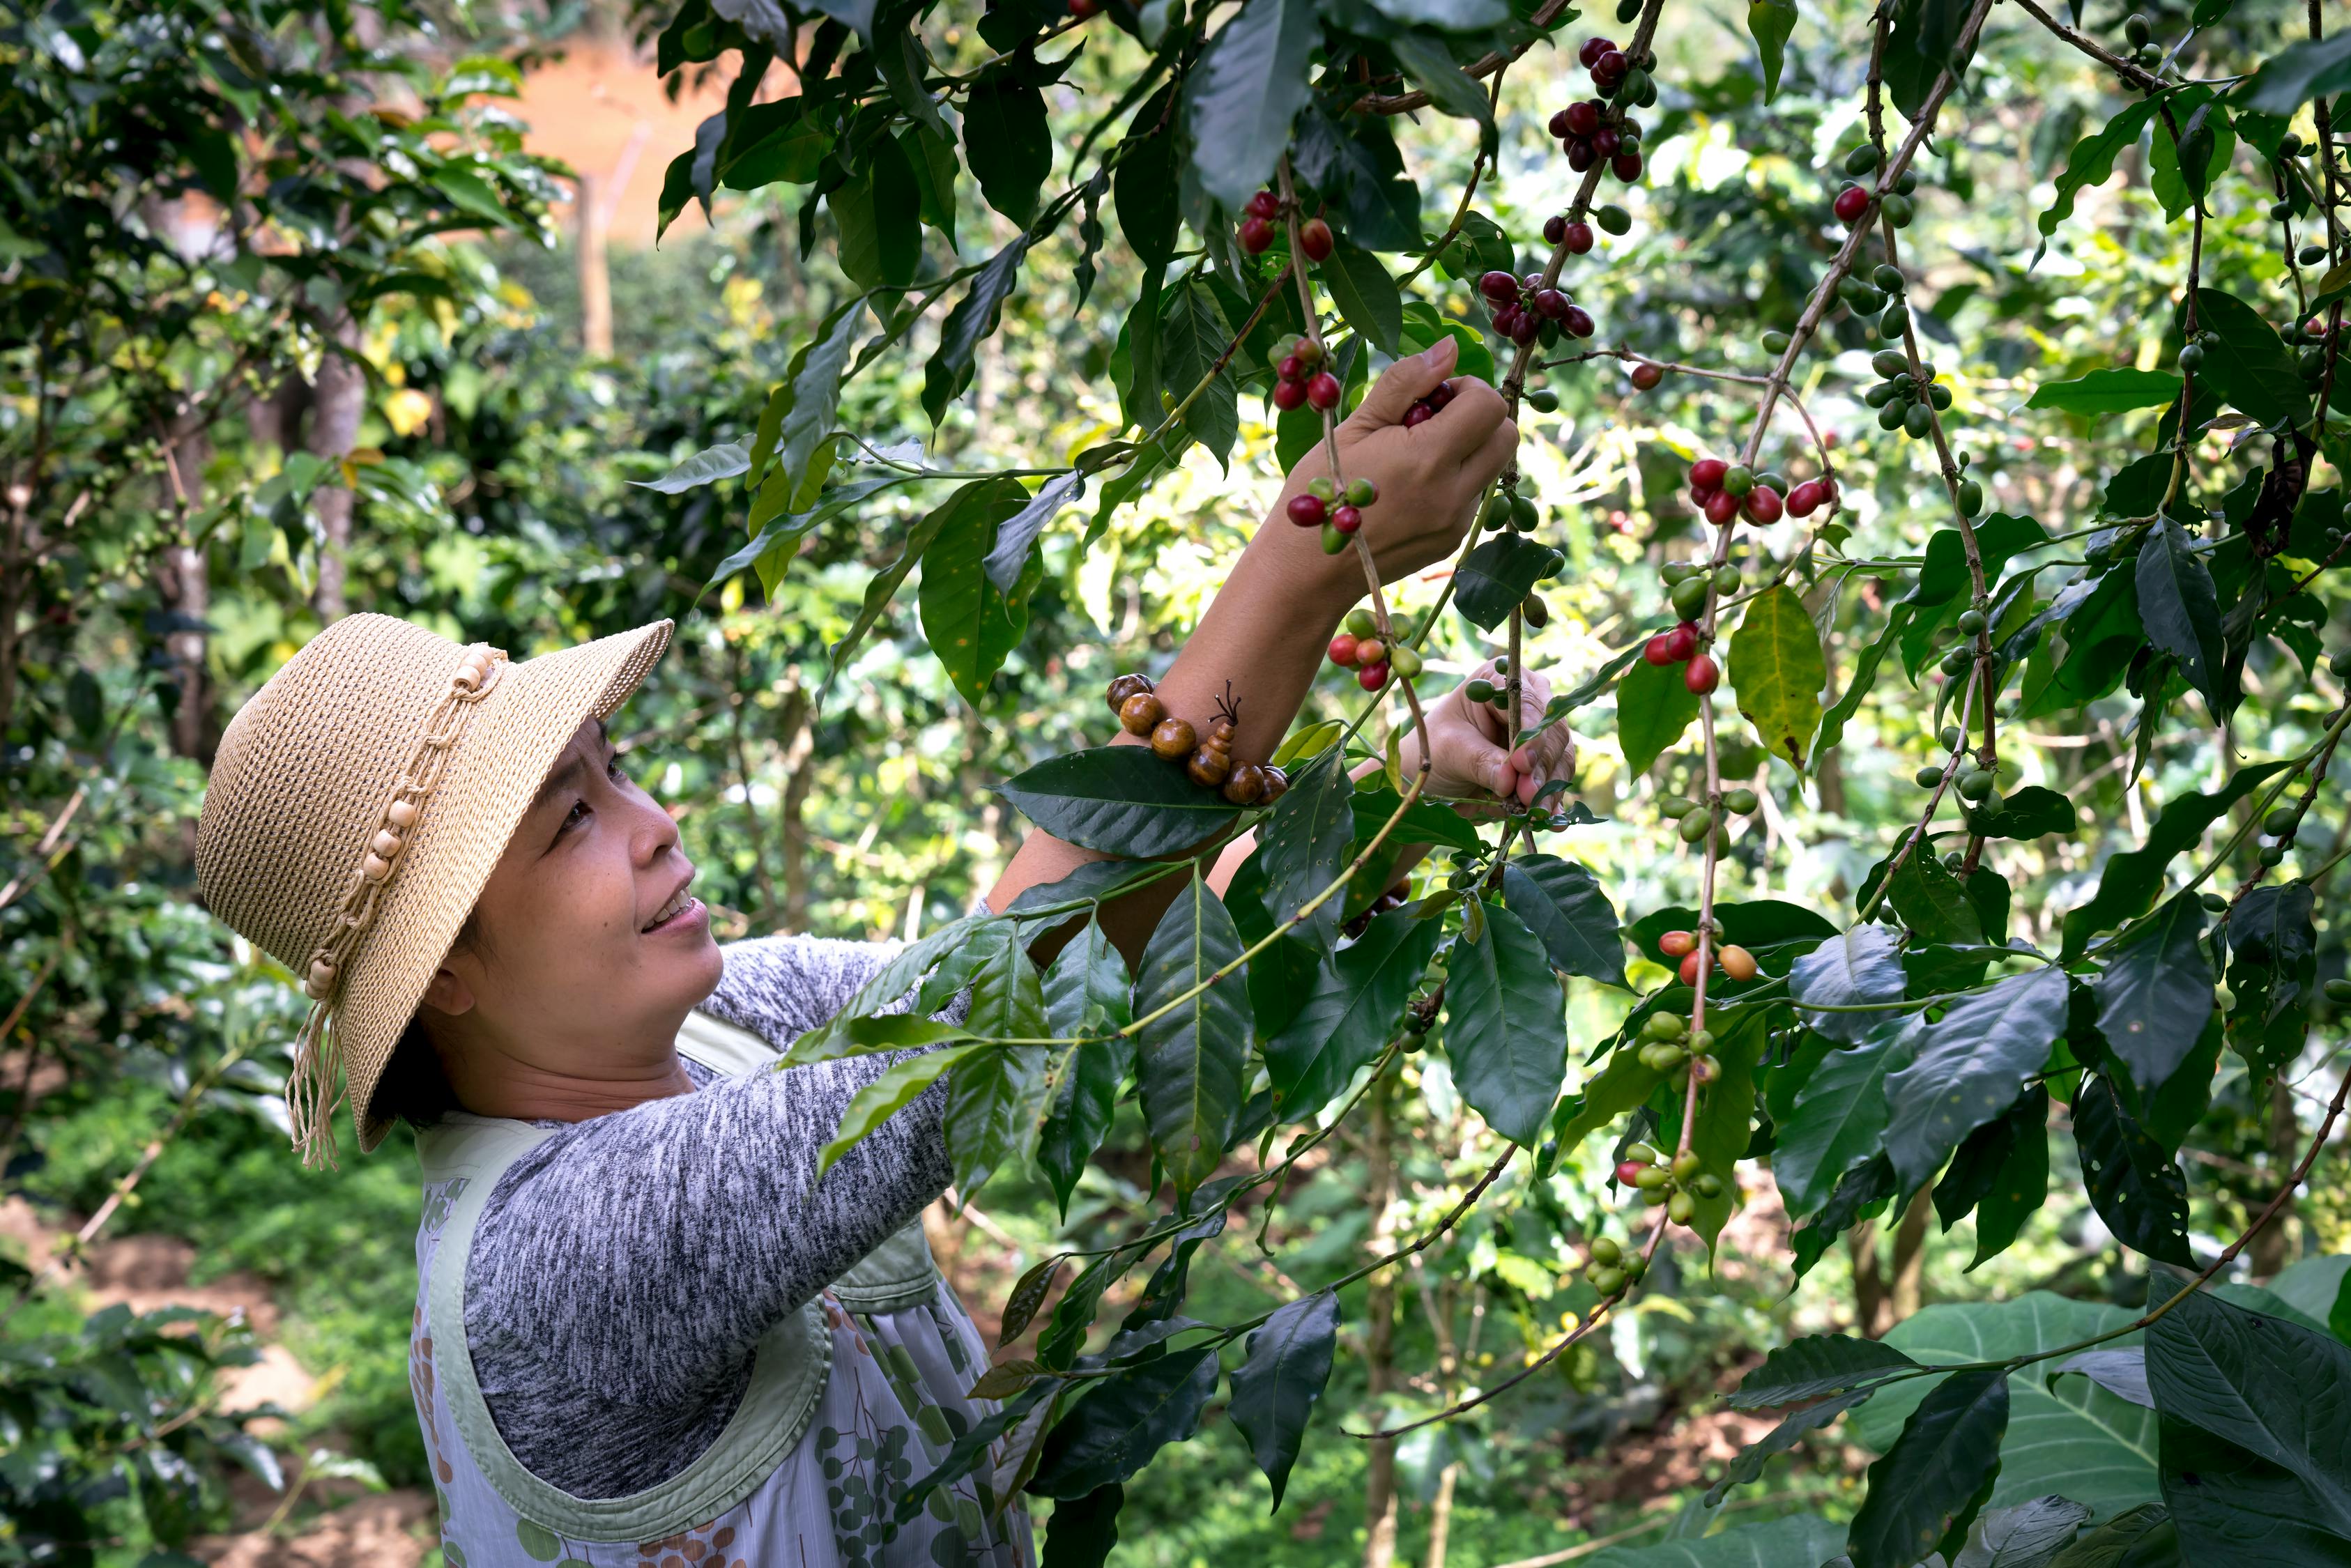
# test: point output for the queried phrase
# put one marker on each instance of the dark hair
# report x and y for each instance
(413, 1088)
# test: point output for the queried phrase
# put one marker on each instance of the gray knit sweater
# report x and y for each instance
(627, 1265)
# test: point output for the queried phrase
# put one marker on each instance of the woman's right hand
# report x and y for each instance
(1429, 475)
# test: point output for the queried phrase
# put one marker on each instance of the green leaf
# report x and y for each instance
(972, 321)
(1563, 904)
(1777, 671)
(2278, 1393)
(1246, 92)
(471, 194)
(772, 143)
(2141, 1536)
(890, 982)
(2157, 994)
(1005, 141)
(1865, 676)
(1619, 1086)
(1654, 707)
(806, 419)
(969, 625)
(1192, 1061)
(2031, 812)
(2250, 366)
(887, 1095)
(2300, 72)
(2130, 882)
(1839, 1117)
(706, 466)
(1008, 560)
(1931, 901)
(2132, 1183)
(1425, 823)
(1120, 799)
(2064, 1434)
(2116, 389)
(1274, 1392)
(1723, 1128)
(994, 1105)
(1366, 295)
(2091, 161)
(1143, 185)
(1084, 1531)
(1498, 574)
(1793, 1429)
(2272, 974)
(1506, 1026)
(1451, 92)
(1303, 843)
(1862, 965)
(1768, 22)
(2000, 1171)
(1130, 1415)
(1970, 1066)
(882, 586)
(1352, 1013)
(1797, 1538)
(931, 154)
(1818, 1365)
(2181, 174)
(2181, 609)
(1086, 993)
(1935, 1477)
(879, 211)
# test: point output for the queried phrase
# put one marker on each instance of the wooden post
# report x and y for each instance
(595, 277)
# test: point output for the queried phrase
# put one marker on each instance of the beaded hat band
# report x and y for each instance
(358, 803)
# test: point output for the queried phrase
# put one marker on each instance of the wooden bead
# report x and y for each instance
(375, 868)
(1209, 767)
(401, 813)
(322, 978)
(386, 843)
(1245, 785)
(1140, 713)
(1173, 739)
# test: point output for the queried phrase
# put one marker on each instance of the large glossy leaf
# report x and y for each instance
(1120, 799)
(2155, 995)
(2181, 609)
(704, 467)
(1654, 707)
(1616, 1088)
(801, 412)
(2115, 390)
(2001, 1173)
(1791, 1430)
(1840, 713)
(2025, 1536)
(1246, 92)
(1366, 295)
(2130, 882)
(2091, 161)
(892, 1092)
(1009, 561)
(1936, 1476)
(1193, 332)
(1724, 1126)
(1797, 1538)
(1451, 90)
(1130, 1415)
(2250, 366)
(2133, 1183)
(1086, 993)
(1563, 904)
(1969, 1066)
(1506, 1026)
(2031, 812)
(948, 371)
(1191, 1061)
(1777, 672)
(1304, 843)
(1768, 22)
(1932, 901)
(1498, 574)
(1275, 1390)
(1352, 1013)
(879, 210)
(2272, 975)
(1005, 141)
(1818, 1365)
(1142, 187)
(1084, 1531)
(1852, 968)
(2300, 72)
(2279, 1393)
(995, 1100)
(969, 625)
(1839, 1116)
(2066, 1435)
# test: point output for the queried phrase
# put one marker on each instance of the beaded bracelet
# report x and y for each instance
(1208, 759)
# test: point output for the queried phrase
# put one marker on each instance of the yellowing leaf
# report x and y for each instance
(1777, 672)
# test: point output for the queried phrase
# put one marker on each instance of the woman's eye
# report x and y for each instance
(574, 817)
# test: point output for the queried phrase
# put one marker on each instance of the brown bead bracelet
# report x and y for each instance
(1208, 759)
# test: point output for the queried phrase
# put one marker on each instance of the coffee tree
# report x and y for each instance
(1906, 1048)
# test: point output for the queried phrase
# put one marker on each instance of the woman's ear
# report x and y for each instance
(448, 994)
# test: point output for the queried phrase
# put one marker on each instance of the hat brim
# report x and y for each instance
(516, 736)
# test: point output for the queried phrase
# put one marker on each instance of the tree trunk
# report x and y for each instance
(183, 586)
(1379, 1307)
(2273, 1249)
(793, 741)
(1868, 1279)
(1440, 1514)
(595, 277)
(340, 398)
(13, 576)
(1904, 1297)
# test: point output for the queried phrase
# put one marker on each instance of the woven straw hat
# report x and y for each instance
(356, 807)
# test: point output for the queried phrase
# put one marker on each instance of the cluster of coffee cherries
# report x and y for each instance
(1686, 587)
(1678, 1183)
(2312, 362)
(1610, 1268)
(1693, 821)
(1427, 408)
(1590, 132)
(1726, 491)
(1256, 230)
(1616, 74)
(1879, 295)
(1358, 647)
(1735, 962)
(1974, 783)
(1508, 509)
(1526, 308)
(1852, 204)
(1298, 378)
(1495, 694)
(1338, 511)
(1208, 759)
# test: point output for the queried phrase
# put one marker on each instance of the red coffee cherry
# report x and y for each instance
(1805, 499)
(1674, 944)
(1498, 288)
(1256, 234)
(1645, 376)
(1264, 204)
(1552, 303)
(1528, 326)
(1658, 650)
(1577, 322)
(1347, 519)
(1372, 677)
(1625, 166)
(1703, 674)
(1580, 156)
(1582, 117)
(1307, 510)
(1763, 504)
(1342, 648)
(1721, 508)
(1611, 65)
(1288, 395)
(1707, 472)
(1605, 141)
(1560, 124)
(1419, 413)
(1554, 228)
(1628, 1172)
(1579, 238)
(1589, 54)
(1851, 202)
(1322, 391)
(1314, 239)
(1681, 641)
(1081, 9)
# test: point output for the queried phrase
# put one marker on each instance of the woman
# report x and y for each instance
(640, 1337)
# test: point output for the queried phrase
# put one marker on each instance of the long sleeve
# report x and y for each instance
(627, 1266)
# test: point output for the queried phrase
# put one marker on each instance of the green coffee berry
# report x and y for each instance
(1926, 778)
(1888, 279)
(1739, 802)
(1608, 1281)
(2191, 358)
(2281, 821)
(2338, 990)
(1605, 1252)
(1776, 342)
(1860, 160)
(1696, 825)
(1918, 419)
(1613, 219)
(1950, 736)
(1971, 622)
(1739, 479)
(1889, 363)
(1899, 211)
(1675, 806)
(2213, 904)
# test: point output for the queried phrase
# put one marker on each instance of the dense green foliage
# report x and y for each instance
(945, 263)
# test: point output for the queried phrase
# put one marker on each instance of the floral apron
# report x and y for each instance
(851, 1400)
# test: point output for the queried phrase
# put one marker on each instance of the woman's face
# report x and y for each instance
(591, 950)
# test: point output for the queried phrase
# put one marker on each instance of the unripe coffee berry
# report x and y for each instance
(1361, 622)
(1369, 650)
(1405, 663)
(1323, 488)
(1605, 1252)
(1674, 944)
(1737, 962)
(1614, 219)
(1739, 802)
(1362, 491)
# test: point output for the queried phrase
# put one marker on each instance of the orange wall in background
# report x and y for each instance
(602, 109)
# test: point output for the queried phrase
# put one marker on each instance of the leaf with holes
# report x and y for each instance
(2155, 994)
(1850, 969)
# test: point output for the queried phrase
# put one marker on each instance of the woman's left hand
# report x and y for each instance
(1470, 763)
